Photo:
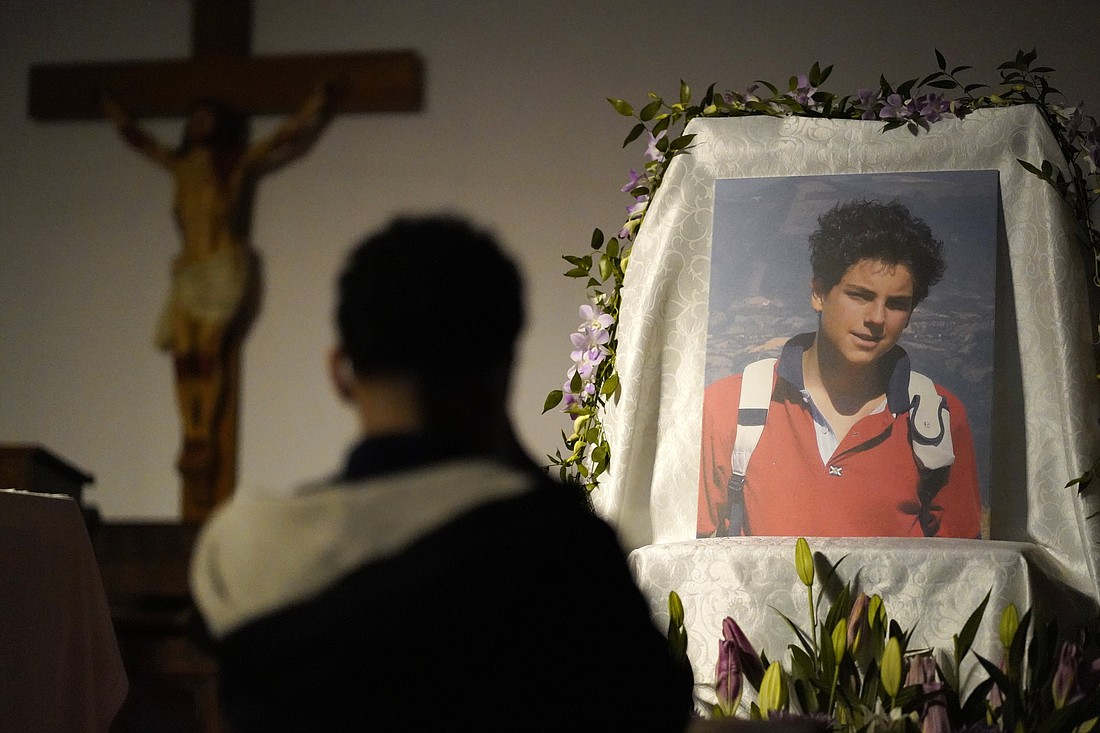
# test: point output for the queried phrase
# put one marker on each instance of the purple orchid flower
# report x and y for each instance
(751, 96)
(582, 342)
(591, 312)
(569, 398)
(632, 183)
(803, 92)
(932, 107)
(581, 366)
(895, 107)
(595, 336)
(869, 100)
(651, 151)
(585, 362)
(592, 333)
(593, 318)
(636, 180)
(589, 347)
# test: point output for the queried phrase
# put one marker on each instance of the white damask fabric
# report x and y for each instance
(1044, 394)
(931, 587)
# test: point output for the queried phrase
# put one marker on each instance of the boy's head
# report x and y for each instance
(426, 296)
(857, 230)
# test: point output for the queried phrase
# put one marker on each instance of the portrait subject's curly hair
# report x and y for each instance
(857, 230)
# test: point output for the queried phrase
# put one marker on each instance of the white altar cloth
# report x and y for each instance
(1044, 402)
(931, 587)
(60, 666)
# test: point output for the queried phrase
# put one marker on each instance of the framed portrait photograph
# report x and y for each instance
(848, 382)
(907, 320)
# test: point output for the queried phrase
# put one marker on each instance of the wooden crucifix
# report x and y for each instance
(215, 167)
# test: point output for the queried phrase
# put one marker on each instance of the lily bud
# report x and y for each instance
(1065, 676)
(747, 656)
(858, 626)
(933, 713)
(1010, 622)
(773, 690)
(675, 608)
(727, 676)
(876, 611)
(922, 670)
(804, 562)
(677, 632)
(878, 623)
(890, 673)
(840, 637)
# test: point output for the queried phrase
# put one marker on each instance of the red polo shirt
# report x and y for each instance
(869, 487)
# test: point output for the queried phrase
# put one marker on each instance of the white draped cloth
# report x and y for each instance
(1045, 546)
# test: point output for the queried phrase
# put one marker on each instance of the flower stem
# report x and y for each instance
(813, 622)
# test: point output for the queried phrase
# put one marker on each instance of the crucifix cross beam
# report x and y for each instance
(222, 68)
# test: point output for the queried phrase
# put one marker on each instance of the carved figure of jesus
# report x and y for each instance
(214, 277)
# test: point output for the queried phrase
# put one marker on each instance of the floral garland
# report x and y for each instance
(914, 105)
(857, 671)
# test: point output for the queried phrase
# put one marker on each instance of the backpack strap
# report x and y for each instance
(757, 382)
(929, 424)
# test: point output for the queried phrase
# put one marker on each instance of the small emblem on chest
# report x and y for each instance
(836, 470)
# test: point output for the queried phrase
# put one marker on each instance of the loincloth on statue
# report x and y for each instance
(207, 292)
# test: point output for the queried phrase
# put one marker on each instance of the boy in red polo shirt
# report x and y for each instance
(839, 448)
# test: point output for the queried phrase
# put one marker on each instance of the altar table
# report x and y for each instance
(60, 668)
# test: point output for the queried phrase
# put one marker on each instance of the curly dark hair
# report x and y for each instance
(428, 296)
(857, 230)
